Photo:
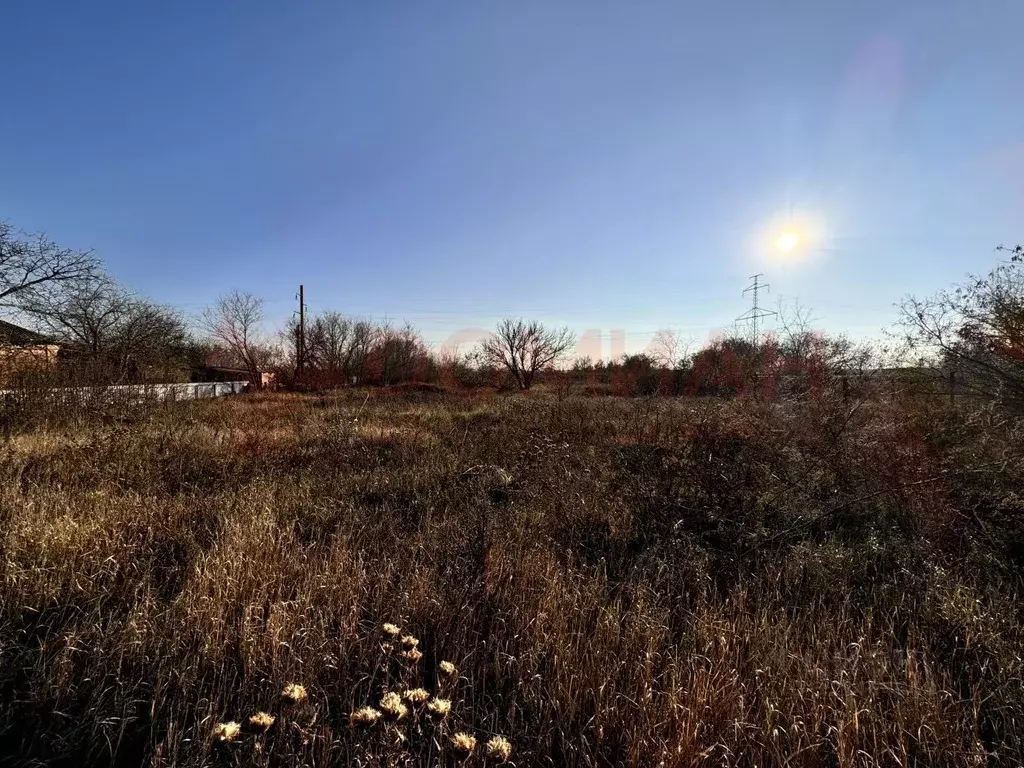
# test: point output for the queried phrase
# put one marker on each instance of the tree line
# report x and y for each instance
(109, 334)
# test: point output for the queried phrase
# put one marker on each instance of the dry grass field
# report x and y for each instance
(616, 582)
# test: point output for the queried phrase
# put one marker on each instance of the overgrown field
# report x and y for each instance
(617, 581)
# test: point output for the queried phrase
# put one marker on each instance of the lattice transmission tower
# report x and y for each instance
(756, 312)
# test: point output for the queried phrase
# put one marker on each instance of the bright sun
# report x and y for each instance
(787, 241)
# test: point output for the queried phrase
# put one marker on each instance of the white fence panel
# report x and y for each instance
(134, 392)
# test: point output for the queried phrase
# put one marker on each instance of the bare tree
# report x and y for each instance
(977, 328)
(235, 321)
(399, 355)
(32, 265)
(525, 348)
(339, 344)
(357, 353)
(152, 342)
(328, 340)
(84, 319)
(669, 349)
(337, 347)
(795, 335)
(112, 334)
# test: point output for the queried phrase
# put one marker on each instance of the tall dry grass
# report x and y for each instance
(618, 582)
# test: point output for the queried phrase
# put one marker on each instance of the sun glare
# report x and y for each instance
(787, 241)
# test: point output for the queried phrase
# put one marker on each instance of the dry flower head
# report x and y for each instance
(439, 707)
(226, 731)
(391, 630)
(499, 748)
(392, 707)
(364, 716)
(413, 655)
(409, 641)
(447, 668)
(464, 742)
(416, 695)
(262, 720)
(294, 691)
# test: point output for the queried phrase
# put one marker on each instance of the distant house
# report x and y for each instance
(12, 335)
(217, 367)
(22, 351)
(208, 372)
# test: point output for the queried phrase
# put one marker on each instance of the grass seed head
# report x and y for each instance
(391, 630)
(294, 692)
(226, 731)
(464, 742)
(392, 707)
(364, 716)
(499, 748)
(416, 695)
(439, 707)
(262, 720)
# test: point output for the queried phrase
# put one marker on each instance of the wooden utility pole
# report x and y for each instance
(300, 362)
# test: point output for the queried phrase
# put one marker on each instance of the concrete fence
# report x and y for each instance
(127, 393)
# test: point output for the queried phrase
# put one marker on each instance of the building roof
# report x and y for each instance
(12, 335)
(222, 368)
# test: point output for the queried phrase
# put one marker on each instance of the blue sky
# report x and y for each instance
(606, 165)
